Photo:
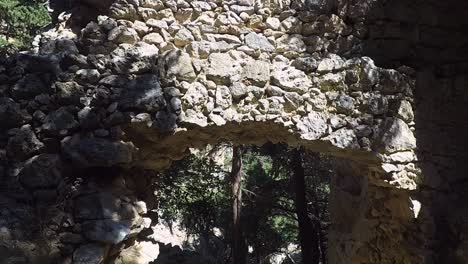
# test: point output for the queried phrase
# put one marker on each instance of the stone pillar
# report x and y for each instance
(370, 223)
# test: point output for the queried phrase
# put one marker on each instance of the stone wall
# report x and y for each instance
(431, 37)
(89, 120)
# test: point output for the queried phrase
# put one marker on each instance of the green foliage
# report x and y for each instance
(197, 192)
(193, 190)
(269, 208)
(20, 20)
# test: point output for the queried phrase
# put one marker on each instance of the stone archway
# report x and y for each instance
(156, 78)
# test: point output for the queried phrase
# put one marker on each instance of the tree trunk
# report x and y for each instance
(320, 229)
(238, 245)
(308, 236)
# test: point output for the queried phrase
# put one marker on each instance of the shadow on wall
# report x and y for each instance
(83, 11)
(432, 37)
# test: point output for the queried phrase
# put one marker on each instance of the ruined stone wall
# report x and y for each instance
(88, 120)
(431, 36)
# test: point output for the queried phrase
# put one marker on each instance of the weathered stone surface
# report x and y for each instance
(140, 253)
(248, 72)
(143, 93)
(258, 42)
(96, 206)
(42, 171)
(89, 254)
(343, 138)
(123, 34)
(290, 79)
(28, 87)
(106, 231)
(306, 64)
(332, 63)
(291, 43)
(405, 111)
(191, 117)
(391, 82)
(223, 97)
(331, 82)
(11, 114)
(238, 90)
(314, 126)
(88, 118)
(69, 92)
(183, 37)
(155, 4)
(204, 48)
(176, 64)
(94, 152)
(23, 144)
(138, 58)
(397, 136)
(196, 96)
(378, 105)
(258, 72)
(59, 122)
(344, 104)
(154, 38)
(223, 68)
(123, 10)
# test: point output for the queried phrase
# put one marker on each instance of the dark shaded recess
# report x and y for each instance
(416, 33)
(83, 11)
(432, 37)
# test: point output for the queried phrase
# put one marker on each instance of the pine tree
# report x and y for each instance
(20, 20)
